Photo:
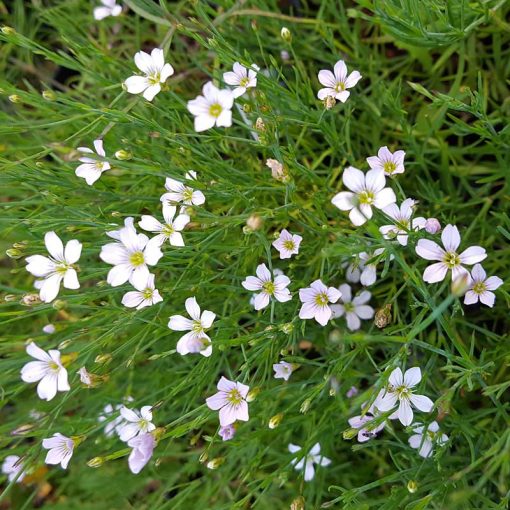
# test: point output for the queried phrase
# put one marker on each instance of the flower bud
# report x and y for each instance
(285, 34)
(383, 316)
(252, 394)
(14, 98)
(461, 284)
(13, 253)
(275, 421)
(432, 226)
(49, 95)
(350, 433)
(305, 406)
(412, 486)
(254, 222)
(8, 30)
(59, 304)
(203, 458)
(95, 462)
(123, 155)
(49, 329)
(298, 503)
(329, 102)
(215, 463)
(259, 125)
(287, 328)
(103, 359)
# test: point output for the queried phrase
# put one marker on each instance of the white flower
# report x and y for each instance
(129, 222)
(353, 309)
(85, 377)
(13, 468)
(390, 163)
(337, 83)
(92, 168)
(287, 244)
(137, 422)
(170, 230)
(241, 78)
(306, 463)
(403, 223)
(231, 401)
(60, 449)
(143, 448)
(353, 271)
(400, 390)
(368, 266)
(155, 70)
(114, 425)
(212, 108)
(268, 288)
(366, 424)
(227, 433)
(366, 191)
(480, 287)
(49, 329)
(56, 268)
(424, 439)
(130, 257)
(48, 370)
(179, 192)
(448, 257)
(109, 8)
(145, 294)
(196, 341)
(283, 370)
(315, 301)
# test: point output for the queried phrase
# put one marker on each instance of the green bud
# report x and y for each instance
(8, 30)
(285, 34)
(275, 421)
(49, 95)
(123, 155)
(95, 462)
(14, 98)
(13, 253)
(305, 406)
(412, 486)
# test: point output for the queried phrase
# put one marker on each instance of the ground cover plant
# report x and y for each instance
(254, 254)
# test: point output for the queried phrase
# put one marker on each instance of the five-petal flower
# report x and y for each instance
(316, 299)
(265, 286)
(230, 401)
(337, 83)
(481, 287)
(212, 108)
(92, 168)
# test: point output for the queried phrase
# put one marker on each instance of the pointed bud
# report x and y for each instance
(350, 433)
(123, 155)
(252, 394)
(461, 284)
(298, 503)
(215, 463)
(412, 486)
(95, 462)
(275, 421)
(305, 406)
(285, 34)
(49, 95)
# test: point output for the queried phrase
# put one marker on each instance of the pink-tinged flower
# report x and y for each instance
(130, 256)
(403, 222)
(145, 294)
(212, 108)
(316, 299)
(58, 267)
(352, 392)
(287, 244)
(48, 370)
(60, 450)
(449, 259)
(390, 163)
(49, 329)
(230, 401)
(367, 424)
(92, 168)
(228, 432)
(353, 309)
(283, 370)
(425, 437)
(178, 192)
(241, 78)
(366, 190)
(155, 73)
(143, 448)
(481, 287)
(307, 462)
(109, 8)
(12, 466)
(114, 421)
(267, 288)
(137, 422)
(197, 340)
(432, 226)
(337, 83)
(400, 391)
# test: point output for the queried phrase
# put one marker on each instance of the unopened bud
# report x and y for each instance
(461, 284)
(8, 30)
(49, 95)
(31, 299)
(64, 345)
(285, 34)
(350, 433)
(259, 125)
(305, 406)
(13, 253)
(215, 463)
(10, 297)
(254, 222)
(95, 462)
(287, 328)
(49, 329)
(329, 102)
(432, 226)
(335, 336)
(412, 486)
(383, 316)
(123, 155)
(252, 394)
(298, 503)
(275, 421)
(59, 304)
(14, 98)
(103, 359)
(203, 458)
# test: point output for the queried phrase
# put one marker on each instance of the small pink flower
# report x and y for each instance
(432, 226)
(230, 401)
(143, 448)
(481, 287)
(228, 432)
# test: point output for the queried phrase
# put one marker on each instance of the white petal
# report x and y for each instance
(72, 251)
(450, 238)
(136, 84)
(412, 377)
(54, 246)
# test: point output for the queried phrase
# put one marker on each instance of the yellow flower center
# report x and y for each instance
(479, 287)
(268, 288)
(154, 78)
(366, 197)
(197, 327)
(403, 224)
(168, 230)
(244, 82)
(53, 366)
(147, 293)
(215, 110)
(403, 392)
(187, 195)
(137, 258)
(340, 86)
(348, 307)
(321, 299)
(62, 268)
(451, 259)
(289, 244)
(234, 397)
(389, 167)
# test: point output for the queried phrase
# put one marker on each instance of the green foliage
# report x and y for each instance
(435, 83)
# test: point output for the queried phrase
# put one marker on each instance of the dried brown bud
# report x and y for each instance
(383, 316)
